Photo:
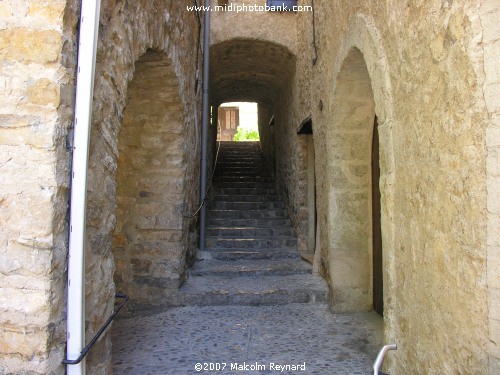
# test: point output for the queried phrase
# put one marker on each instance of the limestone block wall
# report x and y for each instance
(37, 61)
(291, 161)
(149, 247)
(432, 83)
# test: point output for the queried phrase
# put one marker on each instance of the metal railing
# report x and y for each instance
(380, 357)
(87, 348)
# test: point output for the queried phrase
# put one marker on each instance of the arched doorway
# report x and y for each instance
(148, 238)
(354, 200)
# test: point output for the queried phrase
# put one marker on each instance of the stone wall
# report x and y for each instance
(425, 63)
(128, 31)
(266, 134)
(291, 160)
(149, 248)
(489, 11)
(274, 27)
(38, 53)
(37, 62)
(427, 69)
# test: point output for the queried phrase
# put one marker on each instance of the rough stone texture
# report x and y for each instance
(272, 27)
(489, 11)
(37, 59)
(425, 68)
(38, 56)
(148, 247)
(135, 37)
(172, 342)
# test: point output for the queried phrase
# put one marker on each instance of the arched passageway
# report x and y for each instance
(244, 69)
(148, 246)
(250, 70)
(251, 256)
(261, 269)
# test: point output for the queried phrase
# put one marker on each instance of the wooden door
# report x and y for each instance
(229, 120)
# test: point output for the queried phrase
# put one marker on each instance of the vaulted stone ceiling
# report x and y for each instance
(249, 70)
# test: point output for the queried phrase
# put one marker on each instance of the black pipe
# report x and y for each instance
(204, 124)
(87, 348)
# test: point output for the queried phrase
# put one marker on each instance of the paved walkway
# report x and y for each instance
(247, 340)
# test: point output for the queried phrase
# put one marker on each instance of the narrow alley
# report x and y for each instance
(359, 210)
(250, 299)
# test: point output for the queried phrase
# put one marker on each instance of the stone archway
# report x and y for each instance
(350, 176)
(362, 90)
(148, 246)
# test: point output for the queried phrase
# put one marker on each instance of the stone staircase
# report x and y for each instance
(251, 255)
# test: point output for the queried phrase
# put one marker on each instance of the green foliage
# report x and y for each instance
(246, 135)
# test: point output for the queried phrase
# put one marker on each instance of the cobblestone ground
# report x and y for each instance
(247, 340)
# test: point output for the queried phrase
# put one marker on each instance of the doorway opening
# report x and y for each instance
(238, 121)
(306, 128)
(355, 199)
(378, 283)
(148, 244)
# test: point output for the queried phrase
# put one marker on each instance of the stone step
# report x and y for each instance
(229, 180)
(248, 214)
(245, 184)
(251, 256)
(234, 161)
(240, 165)
(251, 243)
(238, 174)
(222, 205)
(228, 145)
(259, 223)
(245, 171)
(233, 254)
(240, 147)
(251, 268)
(248, 232)
(221, 190)
(246, 198)
(244, 290)
(235, 158)
(242, 168)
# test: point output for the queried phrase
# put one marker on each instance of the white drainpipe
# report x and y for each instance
(89, 26)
